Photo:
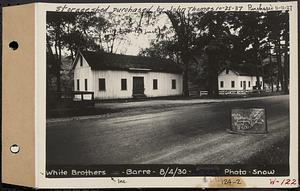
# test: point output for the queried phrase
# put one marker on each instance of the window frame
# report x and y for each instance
(232, 84)
(123, 85)
(100, 88)
(78, 84)
(155, 84)
(221, 84)
(86, 84)
(173, 84)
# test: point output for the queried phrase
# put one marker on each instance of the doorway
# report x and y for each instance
(244, 85)
(138, 86)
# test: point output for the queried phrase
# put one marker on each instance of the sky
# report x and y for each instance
(135, 42)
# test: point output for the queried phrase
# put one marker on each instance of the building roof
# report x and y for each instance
(244, 71)
(109, 61)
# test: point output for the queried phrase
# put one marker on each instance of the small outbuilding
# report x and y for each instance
(116, 76)
(234, 80)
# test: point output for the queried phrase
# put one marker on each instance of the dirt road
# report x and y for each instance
(193, 134)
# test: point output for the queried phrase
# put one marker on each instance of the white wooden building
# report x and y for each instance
(234, 80)
(115, 76)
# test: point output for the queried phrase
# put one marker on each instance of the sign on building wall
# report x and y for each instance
(248, 120)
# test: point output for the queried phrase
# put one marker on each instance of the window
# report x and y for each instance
(85, 84)
(221, 84)
(232, 84)
(155, 84)
(80, 60)
(78, 85)
(123, 84)
(227, 71)
(102, 84)
(249, 84)
(173, 84)
(241, 84)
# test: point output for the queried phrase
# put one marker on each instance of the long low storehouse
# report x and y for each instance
(116, 76)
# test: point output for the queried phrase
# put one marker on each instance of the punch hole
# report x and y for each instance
(14, 148)
(13, 45)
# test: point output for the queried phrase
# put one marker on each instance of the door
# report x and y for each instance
(244, 85)
(138, 85)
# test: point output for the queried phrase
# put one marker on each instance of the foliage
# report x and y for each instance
(203, 43)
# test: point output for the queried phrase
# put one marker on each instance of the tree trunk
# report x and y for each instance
(257, 63)
(113, 41)
(272, 83)
(213, 90)
(56, 51)
(100, 40)
(47, 68)
(280, 74)
(58, 84)
(212, 51)
(72, 54)
(258, 85)
(272, 68)
(185, 60)
(57, 66)
(70, 44)
(286, 67)
(286, 73)
(182, 32)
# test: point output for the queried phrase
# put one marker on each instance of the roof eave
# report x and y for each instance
(133, 70)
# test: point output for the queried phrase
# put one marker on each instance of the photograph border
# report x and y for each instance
(214, 182)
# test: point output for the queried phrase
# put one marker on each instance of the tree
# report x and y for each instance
(252, 30)
(278, 38)
(69, 32)
(55, 33)
(162, 49)
(215, 29)
(193, 32)
(182, 27)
